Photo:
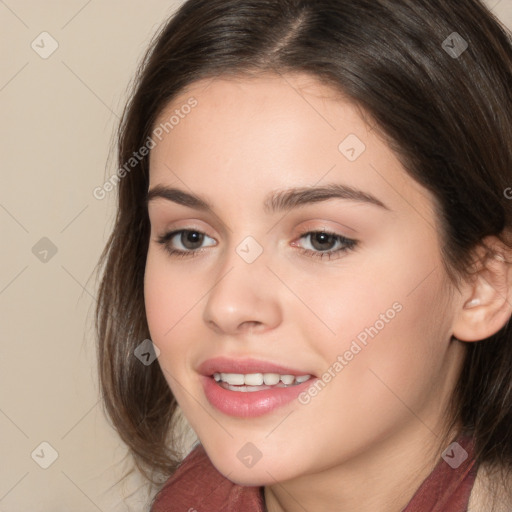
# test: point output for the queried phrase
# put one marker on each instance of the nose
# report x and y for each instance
(243, 298)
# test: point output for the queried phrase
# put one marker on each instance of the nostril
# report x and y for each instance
(250, 325)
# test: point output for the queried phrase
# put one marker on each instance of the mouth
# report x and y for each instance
(251, 382)
(250, 388)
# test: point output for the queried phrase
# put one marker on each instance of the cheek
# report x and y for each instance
(347, 297)
(389, 320)
(170, 296)
(342, 305)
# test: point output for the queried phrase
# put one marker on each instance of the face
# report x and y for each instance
(294, 282)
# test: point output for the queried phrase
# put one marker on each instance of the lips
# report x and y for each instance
(246, 366)
(248, 388)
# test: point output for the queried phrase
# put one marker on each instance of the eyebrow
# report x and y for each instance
(277, 201)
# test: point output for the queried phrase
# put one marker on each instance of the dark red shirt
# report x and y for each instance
(197, 486)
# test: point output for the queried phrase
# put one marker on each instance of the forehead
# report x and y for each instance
(274, 131)
(297, 101)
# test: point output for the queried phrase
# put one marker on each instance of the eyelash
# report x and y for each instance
(349, 244)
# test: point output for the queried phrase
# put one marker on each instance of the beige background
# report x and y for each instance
(57, 119)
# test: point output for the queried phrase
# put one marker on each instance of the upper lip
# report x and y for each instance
(245, 366)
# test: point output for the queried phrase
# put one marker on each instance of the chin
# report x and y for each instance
(263, 472)
(251, 477)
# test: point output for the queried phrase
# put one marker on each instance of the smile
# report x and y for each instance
(247, 388)
(251, 382)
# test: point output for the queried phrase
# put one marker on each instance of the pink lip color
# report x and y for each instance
(245, 366)
(252, 403)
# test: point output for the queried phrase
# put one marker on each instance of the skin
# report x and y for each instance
(375, 431)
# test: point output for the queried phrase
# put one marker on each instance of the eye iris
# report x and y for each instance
(320, 240)
(191, 239)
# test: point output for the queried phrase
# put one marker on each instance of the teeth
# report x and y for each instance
(271, 379)
(287, 379)
(252, 379)
(259, 379)
(235, 379)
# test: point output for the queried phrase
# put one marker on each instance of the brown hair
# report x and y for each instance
(446, 110)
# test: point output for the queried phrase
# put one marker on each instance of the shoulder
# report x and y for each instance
(189, 483)
(489, 489)
(197, 485)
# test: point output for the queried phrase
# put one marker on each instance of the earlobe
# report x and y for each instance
(487, 300)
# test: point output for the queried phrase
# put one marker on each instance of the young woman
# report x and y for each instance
(313, 236)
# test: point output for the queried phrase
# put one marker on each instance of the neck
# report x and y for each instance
(385, 481)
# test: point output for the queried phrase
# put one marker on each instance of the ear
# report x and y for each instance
(486, 302)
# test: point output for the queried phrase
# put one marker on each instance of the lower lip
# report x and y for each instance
(251, 403)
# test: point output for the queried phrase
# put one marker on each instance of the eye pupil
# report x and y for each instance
(322, 241)
(191, 239)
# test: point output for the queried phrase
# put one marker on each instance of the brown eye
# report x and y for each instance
(322, 241)
(185, 242)
(322, 244)
(191, 239)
